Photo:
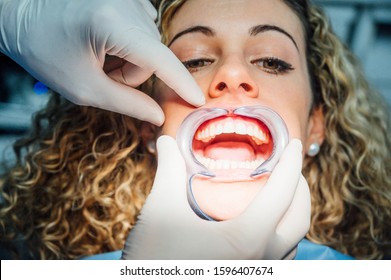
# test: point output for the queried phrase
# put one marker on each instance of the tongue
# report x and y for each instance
(230, 150)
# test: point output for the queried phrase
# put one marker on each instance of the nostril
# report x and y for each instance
(246, 86)
(221, 86)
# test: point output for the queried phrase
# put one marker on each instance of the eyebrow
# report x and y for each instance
(267, 27)
(194, 29)
(255, 30)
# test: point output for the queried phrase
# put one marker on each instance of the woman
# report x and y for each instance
(83, 174)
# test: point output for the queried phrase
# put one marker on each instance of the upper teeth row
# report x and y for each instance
(208, 133)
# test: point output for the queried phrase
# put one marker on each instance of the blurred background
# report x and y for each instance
(364, 25)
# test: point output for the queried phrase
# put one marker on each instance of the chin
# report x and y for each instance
(223, 200)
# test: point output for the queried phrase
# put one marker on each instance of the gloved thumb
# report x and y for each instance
(169, 188)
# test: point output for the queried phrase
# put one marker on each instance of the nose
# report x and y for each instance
(233, 77)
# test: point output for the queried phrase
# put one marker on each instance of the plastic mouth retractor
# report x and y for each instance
(193, 121)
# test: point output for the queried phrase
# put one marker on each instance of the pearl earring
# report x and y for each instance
(151, 146)
(313, 150)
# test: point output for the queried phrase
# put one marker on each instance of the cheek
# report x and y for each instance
(175, 112)
(293, 106)
(298, 123)
(175, 108)
(297, 128)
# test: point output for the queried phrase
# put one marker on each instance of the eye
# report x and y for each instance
(194, 65)
(273, 65)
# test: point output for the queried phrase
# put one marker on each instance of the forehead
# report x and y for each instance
(230, 16)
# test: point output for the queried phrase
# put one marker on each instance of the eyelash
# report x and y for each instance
(191, 64)
(278, 66)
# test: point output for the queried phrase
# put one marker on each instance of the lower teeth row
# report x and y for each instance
(212, 164)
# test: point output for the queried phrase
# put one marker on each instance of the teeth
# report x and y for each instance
(213, 130)
(229, 127)
(240, 129)
(212, 164)
(250, 130)
(219, 129)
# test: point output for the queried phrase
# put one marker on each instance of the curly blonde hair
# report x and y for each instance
(350, 179)
(80, 180)
(83, 174)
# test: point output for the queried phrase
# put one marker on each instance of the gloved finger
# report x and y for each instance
(171, 169)
(116, 97)
(169, 188)
(149, 8)
(144, 14)
(291, 255)
(122, 33)
(295, 223)
(274, 199)
(154, 57)
(171, 165)
(157, 213)
(129, 74)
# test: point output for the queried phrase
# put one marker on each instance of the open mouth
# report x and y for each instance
(232, 142)
(229, 154)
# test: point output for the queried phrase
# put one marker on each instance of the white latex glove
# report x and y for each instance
(63, 44)
(270, 228)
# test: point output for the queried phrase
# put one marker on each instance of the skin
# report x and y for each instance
(232, 72)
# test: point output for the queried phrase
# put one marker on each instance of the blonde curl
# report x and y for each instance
(81, 178)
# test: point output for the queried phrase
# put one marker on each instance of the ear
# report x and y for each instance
(316, 128)
(148, 133)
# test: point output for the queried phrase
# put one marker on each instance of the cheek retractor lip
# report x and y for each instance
(232, 142)
(193, 121)
(278, 131)
(185, 136)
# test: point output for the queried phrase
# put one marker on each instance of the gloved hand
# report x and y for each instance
(270, 228)
(64, 43)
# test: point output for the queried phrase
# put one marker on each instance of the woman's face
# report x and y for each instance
(241, 53)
